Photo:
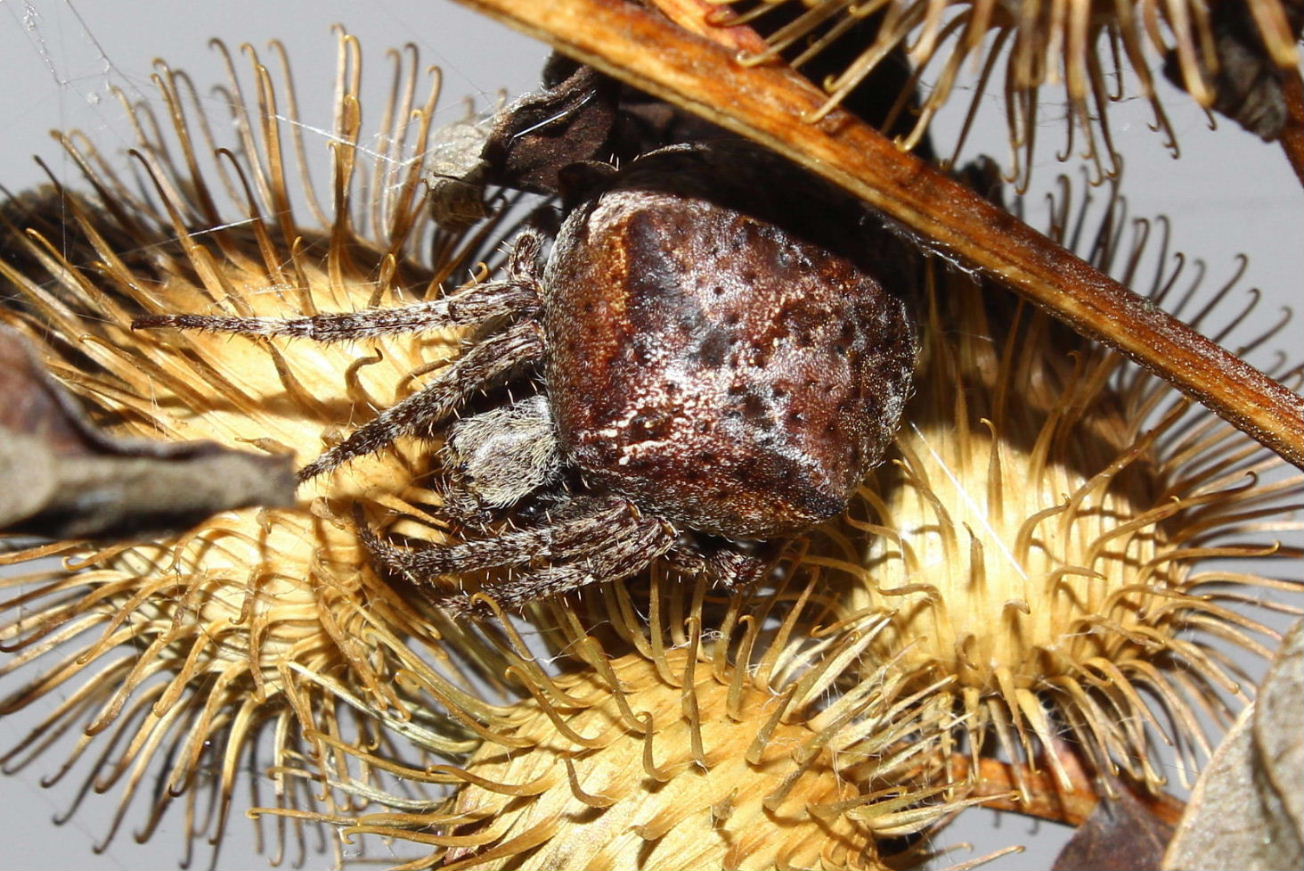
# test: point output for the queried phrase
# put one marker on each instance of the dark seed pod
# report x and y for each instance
(710, 362)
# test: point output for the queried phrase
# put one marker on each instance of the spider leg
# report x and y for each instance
(729, 565)
(518, 293)
(514, 547)
(609, 543)
(473, 306)
(620, 551)
(488, 360)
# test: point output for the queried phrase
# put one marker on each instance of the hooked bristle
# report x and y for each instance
(726, 735)
(1048, 535)
(254, 634)
(1089, 48)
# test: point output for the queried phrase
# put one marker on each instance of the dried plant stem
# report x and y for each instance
(1292, 138)
(767, 104)
(1048, 799)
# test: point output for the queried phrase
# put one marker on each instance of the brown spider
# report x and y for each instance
(711, 378)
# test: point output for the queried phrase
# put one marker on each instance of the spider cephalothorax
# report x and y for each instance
(711, 377)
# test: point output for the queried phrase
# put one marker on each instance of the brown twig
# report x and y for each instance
(767, 104)
(1292, 138)
(1046, 799)
(698, 16)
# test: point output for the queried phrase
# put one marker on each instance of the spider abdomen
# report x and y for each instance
(715, 368)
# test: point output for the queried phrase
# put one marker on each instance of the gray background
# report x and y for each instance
(1229, 193)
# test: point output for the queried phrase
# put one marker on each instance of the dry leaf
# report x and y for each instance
(1280, 741)
(568, 121)
(60, 477)
(1122, 834)
(1247, 811)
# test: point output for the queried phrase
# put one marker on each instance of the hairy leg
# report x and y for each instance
(608, 543)
(518, 293)
(727, 564)
(620, 552)
(489, 360)
(472, 306)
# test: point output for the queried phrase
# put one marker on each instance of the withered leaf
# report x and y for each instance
(456, 173)
(539, 134)
(523, 145)
(1278, 732)
(1247, 810)
(1122, 834)
(60, 477)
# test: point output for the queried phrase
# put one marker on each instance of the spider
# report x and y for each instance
(701, 378)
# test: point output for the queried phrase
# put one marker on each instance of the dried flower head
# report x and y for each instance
(1088, 47)
(709, 733)
(1049, 535)
(185, 659)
